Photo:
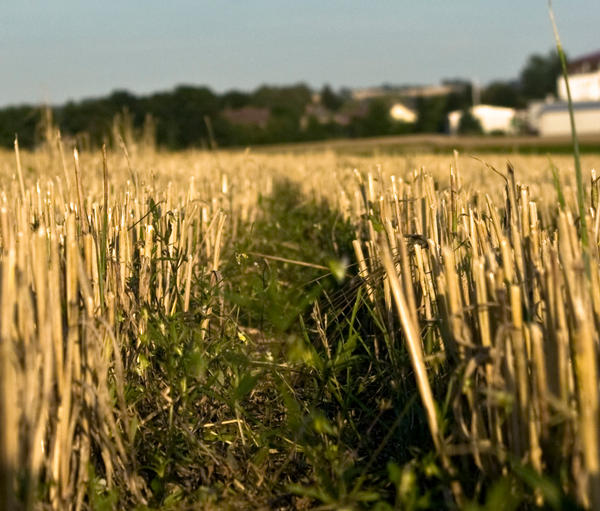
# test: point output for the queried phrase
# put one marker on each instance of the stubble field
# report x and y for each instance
(274, 331)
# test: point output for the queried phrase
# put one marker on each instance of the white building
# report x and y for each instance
(584, 82)
(553, 119)
(584, 87)
(584, 79)
(401, 113)
(491, 118)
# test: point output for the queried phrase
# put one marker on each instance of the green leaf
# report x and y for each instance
(197, 365)
(245, 386)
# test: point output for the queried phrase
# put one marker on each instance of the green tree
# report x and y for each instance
(502, 94)
(431, 114)
(180, 116)
(234, 99)
(462, 95)
(90, 116)
(538, 77)
(330, 99)
(286, 101)
(377, 121)
(120, 100)
(21, 121)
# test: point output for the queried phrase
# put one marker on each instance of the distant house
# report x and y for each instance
(584, 79)
(353, 110)
(584, 87)
(347, 113)
(553, 118)
(318, 111)
(584, 84)
(584, 64)
(401, 113)
(491, 118)
(248, 116)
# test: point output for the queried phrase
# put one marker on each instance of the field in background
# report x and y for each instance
(284, 331)
(443, 144)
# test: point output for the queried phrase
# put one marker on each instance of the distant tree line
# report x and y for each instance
(195, 116)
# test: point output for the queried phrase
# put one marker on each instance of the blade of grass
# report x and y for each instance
(576, 156)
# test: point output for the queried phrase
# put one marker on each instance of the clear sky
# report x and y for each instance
(54, 50)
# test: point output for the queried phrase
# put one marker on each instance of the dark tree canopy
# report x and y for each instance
(330, 99)
(469, 124)
(235, 99)
(502, 94)
(290, 100)
(21, 120)
(431, 113)
(538, 77)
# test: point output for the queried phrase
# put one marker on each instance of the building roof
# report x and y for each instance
(248, 115)
(561, 106)
(356, 109)
(585, 64)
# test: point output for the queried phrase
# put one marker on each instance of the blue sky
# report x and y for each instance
(51, 51)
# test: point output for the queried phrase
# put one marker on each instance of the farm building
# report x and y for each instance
(584, 79)
(491, 118)
(584, 87)
(553, 119)
(584, 82)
